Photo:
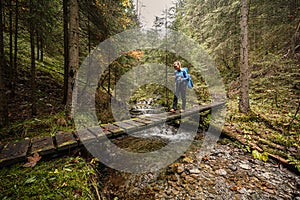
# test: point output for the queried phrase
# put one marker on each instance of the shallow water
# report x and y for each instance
(165, 132)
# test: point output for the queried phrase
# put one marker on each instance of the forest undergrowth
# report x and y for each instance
(271, 128)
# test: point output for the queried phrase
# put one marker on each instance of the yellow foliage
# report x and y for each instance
(126, 3)
(136, 54)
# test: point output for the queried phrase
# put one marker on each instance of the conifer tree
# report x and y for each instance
(74, 53)
(244, 66)
(3, 96)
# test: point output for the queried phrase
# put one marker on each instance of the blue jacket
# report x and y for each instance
(182, 74)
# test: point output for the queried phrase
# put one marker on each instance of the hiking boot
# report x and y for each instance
(173, 110)
(181, 110)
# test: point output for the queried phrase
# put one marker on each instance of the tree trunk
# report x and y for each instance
(89, 33)
(66, 49)
(244, 66)
(15, 77)
(3, 97)
(42, 49)
(41, 33)
(11, 67)
(32, 69)
(295, 39)
(37, 46)
(74, 54)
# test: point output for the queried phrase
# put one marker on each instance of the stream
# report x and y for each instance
(228, 172)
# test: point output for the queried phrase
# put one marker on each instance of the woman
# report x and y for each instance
(180, 87)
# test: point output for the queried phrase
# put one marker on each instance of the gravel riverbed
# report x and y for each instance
(227, 173)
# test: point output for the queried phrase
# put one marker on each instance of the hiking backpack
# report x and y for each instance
(189, 80)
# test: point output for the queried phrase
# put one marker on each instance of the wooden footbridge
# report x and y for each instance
(13, 152)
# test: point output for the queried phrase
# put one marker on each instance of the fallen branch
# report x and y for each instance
(269, 143)
(267, 122)
(230, 133)
(257, 138)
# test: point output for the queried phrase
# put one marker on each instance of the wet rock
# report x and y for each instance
(232, 167)
(195, 171)
(187, 160)
(212, 158)
(173, 177)
(180, 169)
(156, 188)
(176, 192)
(243, 191)
(245, 166)
(189, 179)
(266, 175)
(298, 183)
(183, 175)
(168, 192)
(221, 172)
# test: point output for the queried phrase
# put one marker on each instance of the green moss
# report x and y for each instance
(56, 179)
(46, 126)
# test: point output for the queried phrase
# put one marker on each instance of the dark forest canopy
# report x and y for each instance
(215, 24)
(35, 29)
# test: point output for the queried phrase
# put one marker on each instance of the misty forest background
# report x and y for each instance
(43, 43)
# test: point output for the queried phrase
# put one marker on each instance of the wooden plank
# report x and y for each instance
(65, 141)
(190, 113)
(14, 152)
(154, 121)
(95, 129)
(144, 121)
(211, 105)
(169, 116)
(173, 116)
(152, 118)
(98, 131)
(42, 145)
(162, 116)
(125, 126)
(84, 136)
(112, 128)
(134, 123)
